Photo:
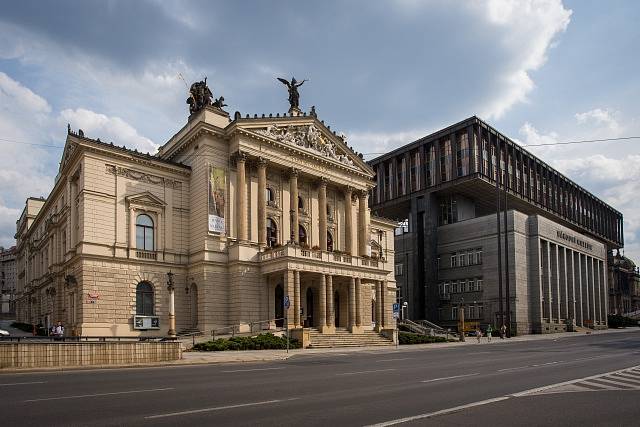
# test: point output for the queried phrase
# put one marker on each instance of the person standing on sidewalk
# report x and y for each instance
(489, 332)
(478, 334)
(503, 331)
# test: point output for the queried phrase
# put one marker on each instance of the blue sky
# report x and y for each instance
(382, 72)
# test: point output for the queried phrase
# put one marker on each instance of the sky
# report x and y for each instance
(383, 72)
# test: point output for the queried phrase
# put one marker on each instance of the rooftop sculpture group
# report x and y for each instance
(200, 96)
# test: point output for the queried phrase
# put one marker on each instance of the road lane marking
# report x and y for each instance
(367, 372)
(80, 396)
(251, 370)
(394, 360)
(449, 378)
(32, 382)
(493, 400)
(219, 408)
(513, 369)
(436, 413)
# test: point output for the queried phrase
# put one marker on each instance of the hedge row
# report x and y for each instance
(259, 342)
(618, 321)
(406, 338)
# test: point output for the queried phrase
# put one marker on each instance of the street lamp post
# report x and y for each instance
(172, 315)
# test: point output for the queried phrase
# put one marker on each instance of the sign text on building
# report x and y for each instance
(575, 240)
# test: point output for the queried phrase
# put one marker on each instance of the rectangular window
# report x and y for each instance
(470, 258)
(471, 285)
(454, 259)
(463, 285)
(479, 283)
(447, 288)
(399, 271)
(461, 260)
(454, 313)
(479, 256)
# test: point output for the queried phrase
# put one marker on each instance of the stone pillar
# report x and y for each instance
(579, 291)
(331, 327)
(383, 304)
(132, 232)
(363, 225)
(594, 308)
(352, 304)
(262, 203)
(242, 196)
(322, 304)
(378, 306)
(296, 298)
(172, 312)
(348, 221)
(288, 292)
(293, 192)
(359, 303)
(586, 285)
(322, 214)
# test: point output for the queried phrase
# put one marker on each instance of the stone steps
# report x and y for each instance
(344, 338)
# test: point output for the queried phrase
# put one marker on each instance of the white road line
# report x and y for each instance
(449, 378)
(436, 413)
(32, 382)
(251, 370)
(394, 360)
(80, 396)
(220, 408)
(489, 401)
(513, 369)
(367, 372)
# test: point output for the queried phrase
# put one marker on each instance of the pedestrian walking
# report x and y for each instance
(503, 331)
(489, 332)
(478, 334)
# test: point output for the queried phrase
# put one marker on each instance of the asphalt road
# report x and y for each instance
(470, 385)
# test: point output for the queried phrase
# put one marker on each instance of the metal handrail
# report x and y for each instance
(71, 339)
(233, 328)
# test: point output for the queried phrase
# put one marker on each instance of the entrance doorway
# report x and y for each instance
(336, 309)
(279, 305)
(309, 322)
(193, 291)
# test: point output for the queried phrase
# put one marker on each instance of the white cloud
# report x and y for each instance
(528, 30)
(107, 128)
(373, 144)
(600, 117)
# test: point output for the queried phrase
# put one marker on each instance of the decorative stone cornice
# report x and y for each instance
(142, 176)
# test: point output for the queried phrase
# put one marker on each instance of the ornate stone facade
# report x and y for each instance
(219, 228)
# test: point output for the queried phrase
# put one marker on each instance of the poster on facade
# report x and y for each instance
(217, 184)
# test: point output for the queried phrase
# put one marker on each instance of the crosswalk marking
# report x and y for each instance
(626, 379)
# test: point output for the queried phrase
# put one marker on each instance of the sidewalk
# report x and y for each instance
(253, 356)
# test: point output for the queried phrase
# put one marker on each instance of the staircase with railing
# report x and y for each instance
(344, 338)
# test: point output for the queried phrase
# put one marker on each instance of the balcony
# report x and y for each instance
(316, 255)
(151, 255)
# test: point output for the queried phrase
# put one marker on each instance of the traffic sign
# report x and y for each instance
(287, 302)
(396, 315)
(396, 307)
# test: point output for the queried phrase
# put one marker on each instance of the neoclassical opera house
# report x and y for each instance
(234, 222)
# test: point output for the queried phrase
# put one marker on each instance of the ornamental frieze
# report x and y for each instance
(142, 176)
(308, 138)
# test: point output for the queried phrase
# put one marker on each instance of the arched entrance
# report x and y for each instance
(310, 321)
(279, 305)
(193, 292)
(336, 309)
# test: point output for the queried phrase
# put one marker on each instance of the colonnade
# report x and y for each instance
(363, 230)
(325, 289)
(573, 286)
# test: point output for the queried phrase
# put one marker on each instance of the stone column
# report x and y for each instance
(322, 304)
(330, 308)
(322, 214)
(348, 221)
(579, 291)
(383, 304)
(296, 298)
(352, 304)
(262, 203)
(242, 196)
(289, 291)
(359, 303)
(132, 232)
(594, 308)
(363, 225)
(378, 306)
(293, 192)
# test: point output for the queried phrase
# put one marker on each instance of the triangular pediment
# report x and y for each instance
(145, 199)
(69, 148)
(312, 136)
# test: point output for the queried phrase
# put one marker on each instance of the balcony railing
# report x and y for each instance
(147, 255)
(294, 251)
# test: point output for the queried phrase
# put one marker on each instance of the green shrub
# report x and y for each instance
(260, 342)
(407, 338)
(618, 321)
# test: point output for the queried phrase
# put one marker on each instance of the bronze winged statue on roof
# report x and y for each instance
(294, 95)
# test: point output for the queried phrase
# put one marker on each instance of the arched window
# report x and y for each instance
(144, 299)
(270, 196)
(302, 235)
(144, 233)
(329, 241)
(272, 233)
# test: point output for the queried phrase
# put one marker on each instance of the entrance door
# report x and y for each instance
(336, 309)
(310, 321)
(279, 306)
(194, 305)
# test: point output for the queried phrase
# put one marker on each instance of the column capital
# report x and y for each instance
(322, 182)
(293, 172)
(239, 157)
(261, 162)
(362, 193)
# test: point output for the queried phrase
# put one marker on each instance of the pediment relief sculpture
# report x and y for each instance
(307, 137)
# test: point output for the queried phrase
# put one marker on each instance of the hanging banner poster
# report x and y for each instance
(217, 184)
